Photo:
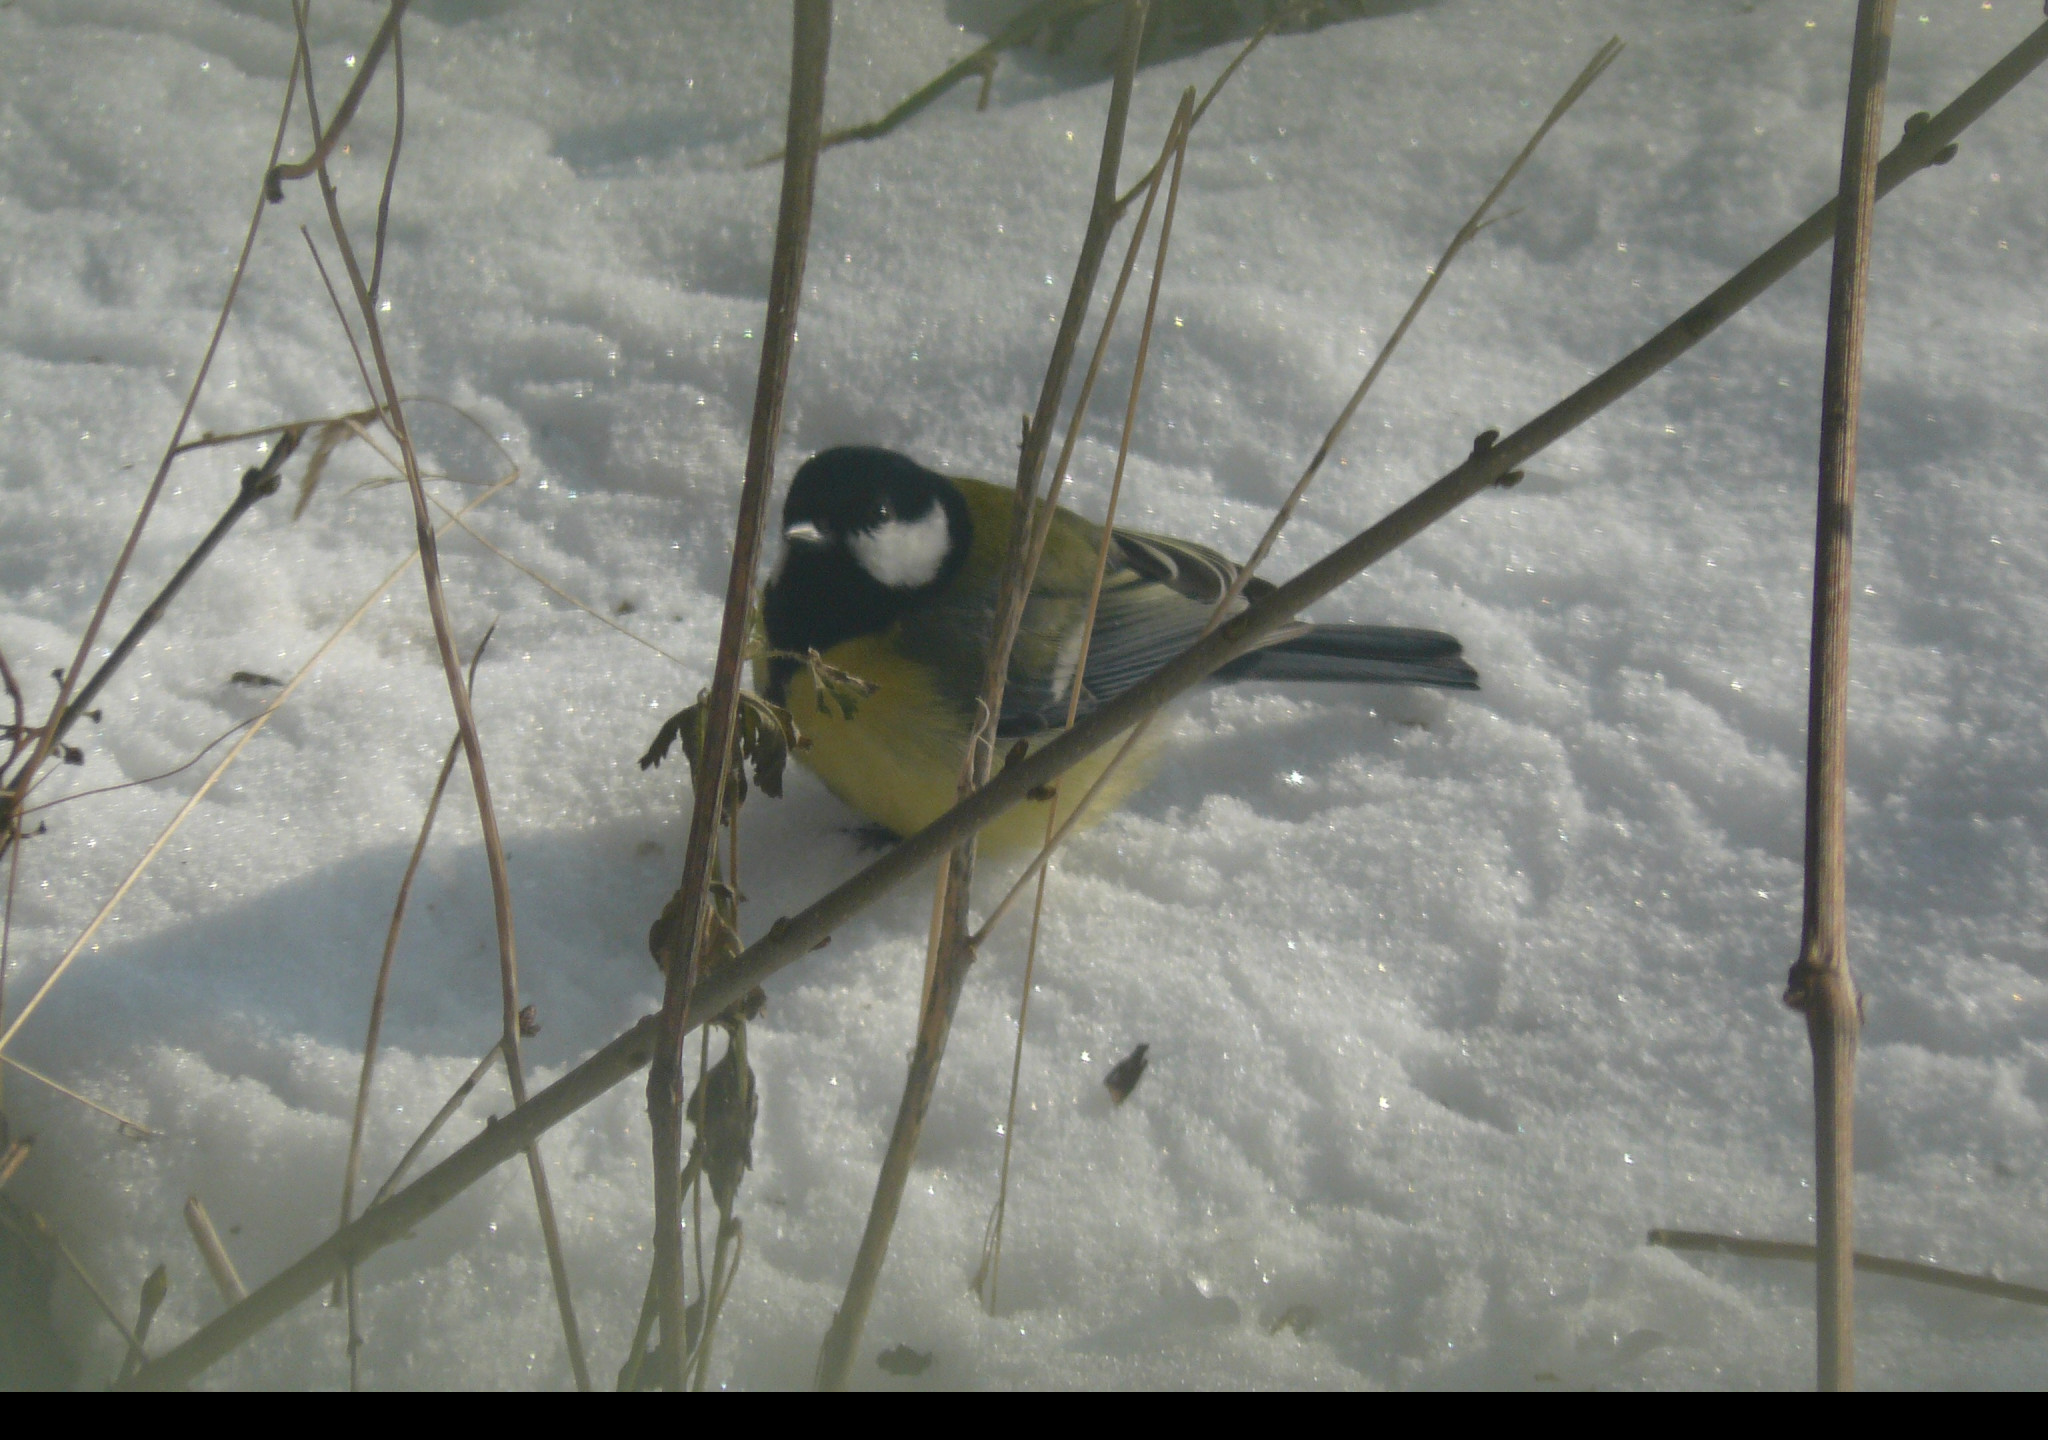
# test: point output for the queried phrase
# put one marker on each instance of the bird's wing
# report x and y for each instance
(1157, 596)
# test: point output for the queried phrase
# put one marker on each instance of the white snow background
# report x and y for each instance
(1449, 1000)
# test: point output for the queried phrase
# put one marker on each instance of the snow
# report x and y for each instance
(1449, 1000)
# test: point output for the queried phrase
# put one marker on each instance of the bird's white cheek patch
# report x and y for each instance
(904, 554)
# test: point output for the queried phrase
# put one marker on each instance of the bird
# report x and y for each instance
(888, 573)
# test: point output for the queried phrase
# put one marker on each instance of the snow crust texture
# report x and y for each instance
(1449, 1001)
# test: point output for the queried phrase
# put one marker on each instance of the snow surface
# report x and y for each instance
(1449, 1000)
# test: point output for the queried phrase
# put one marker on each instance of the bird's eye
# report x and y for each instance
(884, 512)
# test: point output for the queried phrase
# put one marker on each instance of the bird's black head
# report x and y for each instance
(866, 534)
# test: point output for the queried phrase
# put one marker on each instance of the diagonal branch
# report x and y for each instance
(15, 787)
(1927, 142)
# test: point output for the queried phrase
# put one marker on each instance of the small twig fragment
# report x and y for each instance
(215, 1254)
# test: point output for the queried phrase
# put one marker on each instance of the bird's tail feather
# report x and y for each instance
(1371, 654)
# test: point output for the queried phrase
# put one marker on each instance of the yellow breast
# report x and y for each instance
(896, 760)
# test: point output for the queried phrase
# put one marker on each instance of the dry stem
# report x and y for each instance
(351, 1167)
(793, 937)
(1819, 983)
(948, 961)
(13, 788)
(259, 483)
(177, 821)
(219, 1267)
(140, 1130)
(47, 1233)
(441, 1117)
(387, 32)
(1474, 223)
(810, 48)
(393, 415)
(1176, 140)
(1705, 1242)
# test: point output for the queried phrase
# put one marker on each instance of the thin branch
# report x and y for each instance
(680, 944)
(352, 1166)
(234, 437)
(14, 1157)
(1177, 138)
(1041, 530)
(273, 181)
(1820, 984)
(7, 916)
(17, 728)
(949, 959)
(1705, 1242)
(205, 750)
(637, 1352)
(390, 165)
(552, 588)
(349, 333)
(255, 728)
(259, 483)
(1280, 16)
(1022, 29)
(38, 1229)
(441, 1118)
(791, 938)
(219, 1266)
(16, 786)
(1476, 222)
(465, 719)
(140, 1130)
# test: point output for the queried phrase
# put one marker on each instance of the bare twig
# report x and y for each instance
(793, 937)
(391, 164)
(1021, 30)
(259, 482)
(35, 1229)
(637, 1352)
(1280, 16)
(465, 716)
(441, 1117)
(1474, 223)
(351, 1167)
(988, 1276)
(13, 827)
(14, 1157)
(1041, 531)
(732, 1242)
(1819, 983)
(17, 728)
(215, 1254)
(273, 180)
(16, 786)
(205, 750)
(177, 821)
(556, 590)
(135, 1127)
(949, 959)
(1705, 1242)
(680, 944)
(235, 437)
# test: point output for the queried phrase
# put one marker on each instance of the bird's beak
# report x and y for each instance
(804, 533)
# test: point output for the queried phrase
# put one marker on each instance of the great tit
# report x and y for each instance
(889, 572)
